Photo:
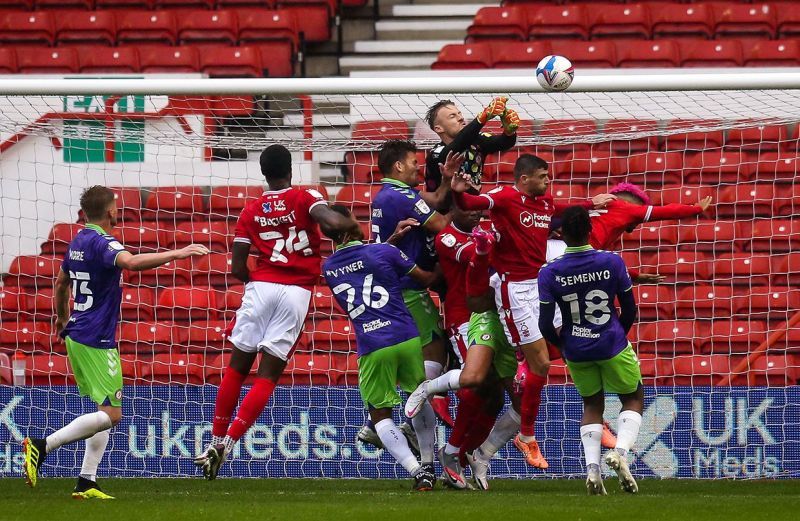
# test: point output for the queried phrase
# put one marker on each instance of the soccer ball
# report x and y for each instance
(555, 73)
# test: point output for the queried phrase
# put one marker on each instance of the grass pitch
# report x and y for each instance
(384, 500)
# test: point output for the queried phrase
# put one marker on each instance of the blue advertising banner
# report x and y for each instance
(699, 432)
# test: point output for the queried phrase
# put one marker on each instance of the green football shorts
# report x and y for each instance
(381, 371)
(425, 314)
(98, 372)
(485, 329)
(618, 375)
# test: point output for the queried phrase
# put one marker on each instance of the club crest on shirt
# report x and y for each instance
(448, 240)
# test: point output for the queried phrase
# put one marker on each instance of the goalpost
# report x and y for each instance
(718, 342)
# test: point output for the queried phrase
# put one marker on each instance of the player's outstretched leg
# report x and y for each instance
(216, 456)
(35, 451)
(628, 423)
(530, 387)
(88, 489)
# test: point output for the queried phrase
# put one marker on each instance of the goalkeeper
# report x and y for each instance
(457, 136)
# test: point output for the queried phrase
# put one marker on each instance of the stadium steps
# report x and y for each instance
(408, 37)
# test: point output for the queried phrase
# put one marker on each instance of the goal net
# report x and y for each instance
(718, 342)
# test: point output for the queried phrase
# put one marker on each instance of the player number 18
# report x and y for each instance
(595, 301)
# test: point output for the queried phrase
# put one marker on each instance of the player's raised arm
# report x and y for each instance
(508, 138)
(146, 261)
(452, 164)
(460, 184)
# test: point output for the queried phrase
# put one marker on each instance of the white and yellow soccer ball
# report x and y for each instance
(555, 73)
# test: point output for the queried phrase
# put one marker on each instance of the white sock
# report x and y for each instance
(216, 440)
(425, 426)
(432, 369)
(451, 449)
(590, 438)
(80, 428)
(627, 430)
(229, 443)
(95, 448)
(526, 439)
(396, 444)
(504, 429)
(447, 382)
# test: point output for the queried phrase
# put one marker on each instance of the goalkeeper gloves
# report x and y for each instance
(495, 108)
(510, 121)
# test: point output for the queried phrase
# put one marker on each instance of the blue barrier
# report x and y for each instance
(701, 432)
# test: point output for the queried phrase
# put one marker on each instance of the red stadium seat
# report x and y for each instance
(654, 302)
(187, 303)
(742, 21)
(731, 336)
(788, 20)
(313, 17)
(772, 53)
(213, 270)
(786, 270)
(215, 235)
(380, 130)
(698, 370)
(48, 370)
(256, 25)
(331, 335)
(175, 368)
(651, 236)
(138, 303)
(701, 301)
(776, 303)
(42, 305)
(231, 62)
(667, 337)
(557, 22)
(323, 304)
(60, 236)
(567, 191)
(763, 138)
(673, 20)
(499, 23)
(466, 56)
(37, 271)
(204, 336)
(362, 167)
(13, 300)
(684, 194)
(745, 201)
(684, 266)
(207, 27)
(64, 4)
(774, 369)
(655, 168)
(358, 198)
(183, 5)
(6, 372)
(177, 203)
(628, 21)
(311, 369)
(112, 60)
(18, 5)
(591, 166)
(144, 237)
(123, 4)
(150, 337)
(146, 27)
(46, 61)
(86, 28)
(742, 269)
(519, 55)
(176, 273)
(622, 136)
(712, 167)
(564, 129)
(690, 134)
(26, 337)
(228, 201)
(716, 53)
(129, 203)
(710, 236)
(26, 28)
(502, 168)
(658, 53)
(230, 299)
(8, 61)
(168, 59)
(776, 235)
(588, 55)
(787, 202)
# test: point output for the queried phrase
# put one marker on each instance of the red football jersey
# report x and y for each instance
(286, 239)
(610, 223)
(523, 223)
(455, 248)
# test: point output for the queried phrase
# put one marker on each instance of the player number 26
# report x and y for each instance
(596, 301)
(80, 286)
(373, 296)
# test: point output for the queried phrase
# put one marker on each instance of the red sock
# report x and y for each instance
(227, 398)
(531, 399)
(480, 430)
(469, 404)
(252, 407)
